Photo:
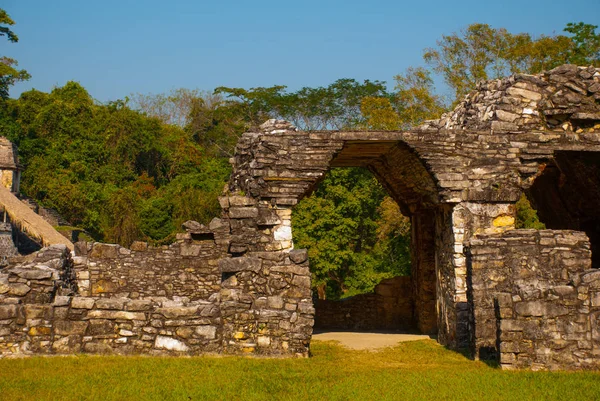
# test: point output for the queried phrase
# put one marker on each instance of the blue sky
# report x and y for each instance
(115, 48)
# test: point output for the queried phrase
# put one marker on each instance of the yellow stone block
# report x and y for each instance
(39, 331)
(240, 335)
(504, 221)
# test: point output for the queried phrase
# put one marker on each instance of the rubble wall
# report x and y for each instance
(534, 299)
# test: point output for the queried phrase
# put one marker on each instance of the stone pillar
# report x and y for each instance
(266, 303)
(423, 271)
(454, 225)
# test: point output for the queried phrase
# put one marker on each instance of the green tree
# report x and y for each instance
(481, 52)
(114, 171)
(340, 226)
(379, 114)
(9, 74)
(415, 99)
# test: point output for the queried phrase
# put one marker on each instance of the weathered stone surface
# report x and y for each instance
(67, 327)
(170, 344)
(176, 312)
(104, 251)
(298, 255)
(234, 265)
(111, 314)
(8, 311)
(19, 289)
(208, 332)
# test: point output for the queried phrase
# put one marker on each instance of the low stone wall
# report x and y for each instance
(389, 307)
(557, 329)
(116, 325)
(188, 268)
(533, 299)
(186, 298)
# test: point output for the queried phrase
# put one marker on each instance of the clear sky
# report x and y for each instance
(118, 47)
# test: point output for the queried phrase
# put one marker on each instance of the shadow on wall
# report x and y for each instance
(389, 307)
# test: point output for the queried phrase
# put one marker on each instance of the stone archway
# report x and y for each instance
(275, 168)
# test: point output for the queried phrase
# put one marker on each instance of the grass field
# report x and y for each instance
(420, 370)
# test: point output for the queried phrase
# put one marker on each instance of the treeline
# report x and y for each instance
(111, 170)
(135, 169)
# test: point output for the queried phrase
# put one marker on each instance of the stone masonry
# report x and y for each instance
(239, 286)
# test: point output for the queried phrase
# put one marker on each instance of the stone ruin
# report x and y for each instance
(525, 298)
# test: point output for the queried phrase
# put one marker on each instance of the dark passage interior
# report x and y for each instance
(567, 195)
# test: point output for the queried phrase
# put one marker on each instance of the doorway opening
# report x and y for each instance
(359, 246)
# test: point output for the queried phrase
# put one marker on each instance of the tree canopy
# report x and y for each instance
(9, 74)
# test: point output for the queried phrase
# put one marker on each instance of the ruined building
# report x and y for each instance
(527, 298)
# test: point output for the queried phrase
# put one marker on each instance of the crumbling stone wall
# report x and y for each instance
(388, 307)
(534, 299)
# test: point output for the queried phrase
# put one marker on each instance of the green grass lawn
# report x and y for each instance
(420, 370)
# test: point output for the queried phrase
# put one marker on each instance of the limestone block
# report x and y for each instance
(208, 332)
(298, 256)
(234, 265)
(283, 233)
(139, 246)
(243, 212)
(275, 302)
(169, 343)
(8, 311)
(67, 327)
(19, 289)
(263, 341)
(111, 303)
(101, 327)
(82, 303)
(67, 345)
(104, 286)
(190, 249)
(175, 312)
(139, 305)
(111, 314)
(39, 272)
(108, 251)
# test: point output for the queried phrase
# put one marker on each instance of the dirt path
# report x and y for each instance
(356, 340)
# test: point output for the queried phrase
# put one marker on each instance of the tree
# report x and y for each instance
(111, 170)
(415, 99)
(9, 74)
(340, 225)
(481, 52)
(585, 48)
(379, 114)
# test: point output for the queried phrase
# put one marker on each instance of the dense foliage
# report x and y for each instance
(107, 168)
(355, 235)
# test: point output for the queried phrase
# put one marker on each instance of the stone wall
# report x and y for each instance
(389, 307)
(556, 329)
(187, 269)
(110, 325)
(533, 299)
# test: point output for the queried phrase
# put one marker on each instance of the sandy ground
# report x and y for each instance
(357, 340)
